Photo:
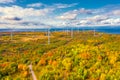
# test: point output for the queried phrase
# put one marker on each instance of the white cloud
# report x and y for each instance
(14, 15)
(81, 11)
(18, 11)
(97, 18)
(7, 1)
(111, 21)
(35, 5)
(84, 11)
(73, 14)
(89, 17)
(63, 5)
(67, 16)
(116, 12)
(55, 6)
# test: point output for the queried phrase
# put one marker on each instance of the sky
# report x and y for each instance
(59, 13)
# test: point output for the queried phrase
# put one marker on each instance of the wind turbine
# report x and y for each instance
(78, 30)
(10, 29)
(48, 31)
(11, 34)
(71, 29)
(94, 32)
(71, 32)
(66, 28)
(33, 33)
(26, 31)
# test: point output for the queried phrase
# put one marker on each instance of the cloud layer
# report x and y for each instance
(39, 15)
(7, 1)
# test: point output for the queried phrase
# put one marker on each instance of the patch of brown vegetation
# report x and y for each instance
(25, 39)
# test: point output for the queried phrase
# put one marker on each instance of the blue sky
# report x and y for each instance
(82, 3)
(59, 13)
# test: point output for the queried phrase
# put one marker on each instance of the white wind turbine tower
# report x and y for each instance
(71, 32)
(26, 29)
(11, 32)
(71, 29)
(95, 29)
(78, 30)
(48, 34)
(33, 28)
(72, 23)
(94, 32)
(66, 28)
(13, 25)
(67, 31)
